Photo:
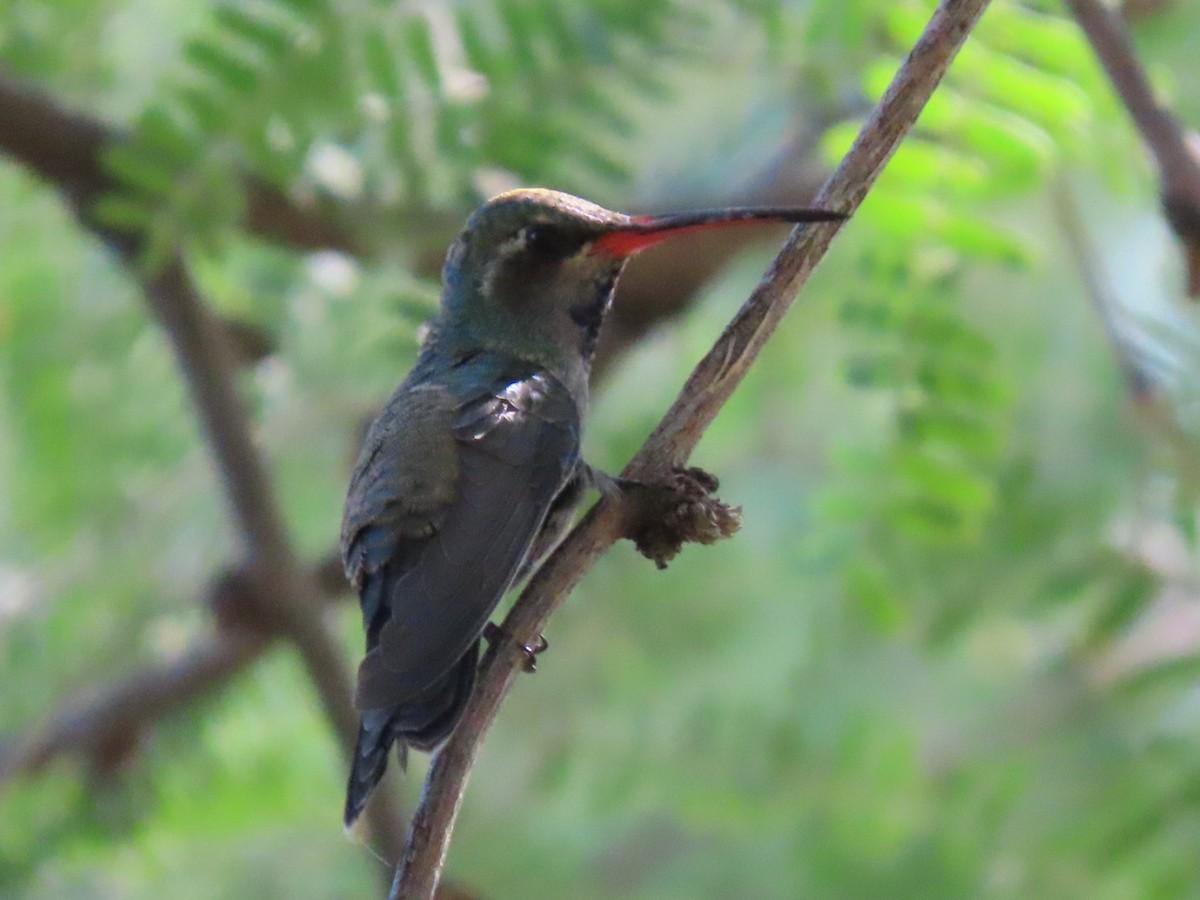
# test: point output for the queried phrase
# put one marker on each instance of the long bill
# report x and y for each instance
(645, 231)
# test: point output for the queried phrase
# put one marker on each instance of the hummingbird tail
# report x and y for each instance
(375, 739)
(423, 722)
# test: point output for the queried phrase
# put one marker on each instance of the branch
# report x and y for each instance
(107, 725)
(663, 282)
(1090, 268)
(208, 366)
(40, 134)
(66, 149)
(1177, 156)
(1149, 397)
(289, 596)
(710, 385)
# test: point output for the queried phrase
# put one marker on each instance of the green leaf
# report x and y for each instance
(953, 384)
(1018, 150)
(475, 46)
(160, 133)
(1051, 43)
(1014, 151)
(519, 23)
(564, 39)
(272, 39)
(220, 63)
(140, 171)
(305, 8)
(868, 587)
(873, 370)
(944, 481)
(381, 64)
(963, 430)
(418, 41)
(927, 520)
(922, 163)
(206, 109)
(981, 239)
(1125, 604)
(123, 213)
(844, 24)
(875, 316)
(600, 162)
(1055, 103)
(1177, 673)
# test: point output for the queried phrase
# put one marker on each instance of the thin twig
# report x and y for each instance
(664, 283)
(1178, 159)
(1147, 393)
(1099, 291)
(711, 383)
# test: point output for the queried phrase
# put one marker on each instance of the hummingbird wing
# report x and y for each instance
(405, 478)
(431, 574)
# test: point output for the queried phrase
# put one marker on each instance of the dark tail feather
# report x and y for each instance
(375, 739)
(424, 722)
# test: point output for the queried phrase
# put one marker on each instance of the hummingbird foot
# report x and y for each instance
(493, 633)
(661, 517)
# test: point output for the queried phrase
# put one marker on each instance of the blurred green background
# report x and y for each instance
(955, 650)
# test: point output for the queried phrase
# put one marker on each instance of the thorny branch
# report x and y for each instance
(710, 385)
(1176, 152)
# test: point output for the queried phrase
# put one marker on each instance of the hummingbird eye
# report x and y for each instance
(549, 241)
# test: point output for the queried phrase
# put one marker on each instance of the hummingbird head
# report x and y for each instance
(533, 271)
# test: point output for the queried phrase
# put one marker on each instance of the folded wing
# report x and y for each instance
(431, 577)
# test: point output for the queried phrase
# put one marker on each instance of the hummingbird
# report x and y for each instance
(472, 469)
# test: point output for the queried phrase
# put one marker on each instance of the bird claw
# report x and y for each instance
(493, 633)
(541, 645)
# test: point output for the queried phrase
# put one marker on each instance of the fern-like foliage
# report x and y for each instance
(1025, 100)
(408, 105)
(1023, 96)
(532, 87)
(241, 103)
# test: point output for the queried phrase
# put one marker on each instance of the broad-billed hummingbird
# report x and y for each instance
(477, 451)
